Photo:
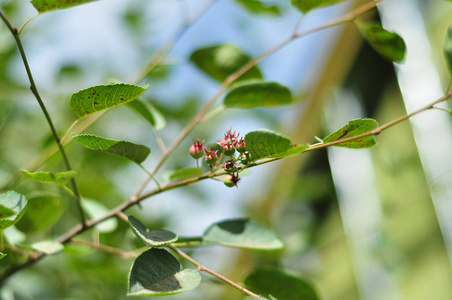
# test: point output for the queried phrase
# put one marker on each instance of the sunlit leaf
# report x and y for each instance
(97, 98)
(280, 284)
(306, 5)
(13, 206)
(43, 211)
(60, 178)
(242, 233)
(157, 273)
(48, 5)
(388, 44)
(448, 49)
(95, 210)
(2, 255)
(186, 173)
(223, 60)
(153, 238)
(353, 128)
(258, 7)
(134, 152)
(48, 247)
(268, 144)
(257, 93)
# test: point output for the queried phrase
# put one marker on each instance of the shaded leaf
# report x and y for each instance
(48, 247)
(13, 205)
(185, 173)
(242, 233)
(95, 210)
(158, 273)
(388, 44)
(275, 283)
(257, 93)
(306, 5)
(60, 178)
(268, 144)
(256, 6)
(448, 49)
(43, 211)
(148, 112)
(2, 255)
(153, 238)
(97, 98)
(134, 152)
(220, 61)
(48, 5)
(353, 128)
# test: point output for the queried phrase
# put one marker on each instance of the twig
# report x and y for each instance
(105, 248)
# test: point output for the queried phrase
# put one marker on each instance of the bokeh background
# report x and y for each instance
(362, 224)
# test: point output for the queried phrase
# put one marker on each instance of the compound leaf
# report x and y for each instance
(353, 128)
(49, 5)
(153, 238)
(306, 5)
(100, 97)
(388, 44)
(158, 273)
(60, 178)
(12, 208)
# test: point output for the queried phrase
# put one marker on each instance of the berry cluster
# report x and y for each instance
(230, 144)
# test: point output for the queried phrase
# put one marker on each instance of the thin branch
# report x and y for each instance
(105, 248)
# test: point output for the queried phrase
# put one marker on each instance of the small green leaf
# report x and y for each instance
(275, 283)
(268, 144)
(157, 273)
(2, 255)
(389, 44)
(97, 98)
(48, 5)
(153, 238)
(186, 173)
(60, 178)
(256, 6)
(223, 60)
(48, 247)
(257, 93)
(448, 49)
(353, 128)
(95, 210)
(306, 5)
(242, 233)
(13, 205)
(43, 211)
(134, 152)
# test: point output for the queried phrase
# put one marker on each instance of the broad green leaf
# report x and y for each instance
(95, 210)
(48, 5)
(275, 283)
(388, 44)
(353, 128)
(223, 60)
(2, 255)
(256, 6)
(100, 97)
(268, 144)
(13, 205)
(448, 49)
(306, 5)
(60, 178)
(186, 173)
(134, 152)
(242, 233)
(48, 247)
(153, 238)
(43, 211)
(257, 93)
(157, 273)
(148, 112)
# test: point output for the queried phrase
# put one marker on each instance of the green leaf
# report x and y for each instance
(256, 6)
(149, 113)
(157, 273)
(223, 60)
(134, 152)
(268, 144)
(100, 97)
(48, 5)
(13, 205)
(186, 173)
(153, 238)
(353, 128)
(48, 247)
(448, 49)
(242, 233)
(95, 210)
(388, 44)
(257, 93)
(275, 283)
(2, 255)
(306, 5)
(60, 178)
(43, 211)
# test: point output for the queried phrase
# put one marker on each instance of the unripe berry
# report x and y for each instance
(240, 146)
(230, 180)
(196, 150)
(228, 149)
(211, 156)
(245, 158)
(229, 166)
